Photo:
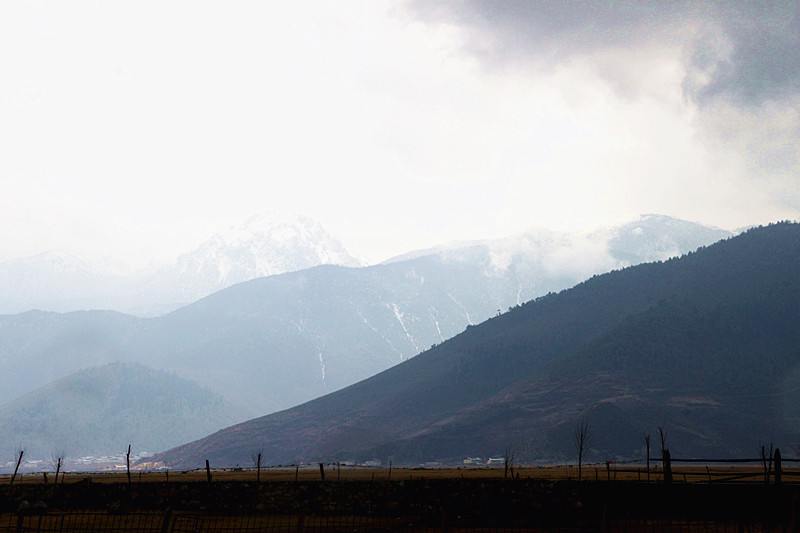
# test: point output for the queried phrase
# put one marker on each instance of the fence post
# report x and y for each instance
(667, 467)
(322, 472)
(128, 463)
(208, 471)
(777, 461)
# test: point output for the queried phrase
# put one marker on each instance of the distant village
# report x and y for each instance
(89, 463)
(117, 463)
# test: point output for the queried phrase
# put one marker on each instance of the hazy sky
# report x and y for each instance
(138, 129)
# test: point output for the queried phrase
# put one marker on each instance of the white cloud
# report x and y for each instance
(137, 130)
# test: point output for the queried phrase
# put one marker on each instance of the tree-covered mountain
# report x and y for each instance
(706, 346)
(100, 410)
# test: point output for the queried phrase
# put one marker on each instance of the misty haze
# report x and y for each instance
(456, 239)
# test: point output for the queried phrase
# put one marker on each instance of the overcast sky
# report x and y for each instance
(137, 129)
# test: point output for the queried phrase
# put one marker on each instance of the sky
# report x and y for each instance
(133, 131)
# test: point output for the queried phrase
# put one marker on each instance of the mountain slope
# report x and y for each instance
(100, 410)
(706, 345)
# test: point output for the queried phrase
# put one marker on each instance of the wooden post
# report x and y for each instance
(16, 468)
(667, 467)
(128, 463)
(322, 472)
(208, 471)
(608, 470)
(778, 471)
(296, 472)
(390, 470)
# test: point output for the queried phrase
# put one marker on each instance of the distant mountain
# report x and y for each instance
(706, 346)
(100, 410)
(50, 280)
(263, 245)
(655, 238)
(649, 238)
(277, 341)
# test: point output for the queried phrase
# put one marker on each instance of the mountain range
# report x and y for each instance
(262, 245)
(705, 346)
(277, 341)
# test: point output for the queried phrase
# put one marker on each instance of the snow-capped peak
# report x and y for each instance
(263, 245)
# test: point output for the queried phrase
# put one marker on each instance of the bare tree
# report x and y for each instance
(766, 460)
(662, 437)
(581, 439)
(508, 462)
(57, 459)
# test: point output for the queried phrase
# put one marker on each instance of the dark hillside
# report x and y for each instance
(702, 344)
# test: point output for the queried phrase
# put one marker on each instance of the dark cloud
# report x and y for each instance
(746, 52)
(760, 59)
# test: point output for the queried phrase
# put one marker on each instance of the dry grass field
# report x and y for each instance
(188, 503)
(691, 474)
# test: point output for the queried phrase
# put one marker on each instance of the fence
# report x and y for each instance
(770, 469)
(168, 522)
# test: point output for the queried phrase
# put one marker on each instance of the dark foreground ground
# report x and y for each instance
(398, 504)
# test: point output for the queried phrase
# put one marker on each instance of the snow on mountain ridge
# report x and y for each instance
(263, 245)
(274, 243)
